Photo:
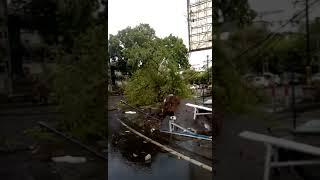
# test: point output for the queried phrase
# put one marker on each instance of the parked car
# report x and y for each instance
(193, 87)
(260, 81)
(248, 78)
(286, 78)
(272, 78)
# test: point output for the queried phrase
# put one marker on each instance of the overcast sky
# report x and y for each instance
(165, 16)
(288, 10)
(170, 16)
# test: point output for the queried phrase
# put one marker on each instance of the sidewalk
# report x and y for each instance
(238, 158)
(24, 164)
(300, 106)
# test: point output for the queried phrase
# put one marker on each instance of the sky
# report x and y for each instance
(170, 16)
(164, 16)
(288, 10)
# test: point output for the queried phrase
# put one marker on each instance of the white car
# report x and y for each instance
(272, 78)
(193, 87)
(260, 81)
(248, 78)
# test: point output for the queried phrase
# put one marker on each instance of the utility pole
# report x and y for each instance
(293, 100)
(208, 68)
(308, 68)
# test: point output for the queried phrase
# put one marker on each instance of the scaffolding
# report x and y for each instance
(199, 24)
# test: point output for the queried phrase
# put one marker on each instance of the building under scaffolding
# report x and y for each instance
(200, 24)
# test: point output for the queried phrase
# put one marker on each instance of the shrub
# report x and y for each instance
(151, 84)
(80, 85)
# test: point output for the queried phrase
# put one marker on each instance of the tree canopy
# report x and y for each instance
(234, 11)
(131, 48)
(231, 94)
(56, 19)
(80, 84)
(243, 39)
(152, 63)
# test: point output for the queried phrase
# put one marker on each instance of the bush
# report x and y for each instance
(158, 63)
(151, 84)
(230, 93)
(80, 85)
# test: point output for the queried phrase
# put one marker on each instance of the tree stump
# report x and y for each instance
(170, 105)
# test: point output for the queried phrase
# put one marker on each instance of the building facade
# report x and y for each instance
(4, 49)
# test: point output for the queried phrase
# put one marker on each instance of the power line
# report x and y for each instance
(278, 38)
(313, 3)
(260, 43)
(272, 34)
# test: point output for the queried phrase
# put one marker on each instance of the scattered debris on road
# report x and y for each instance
(134, 155)
(69, 159)
(147, 157)
(130, 112)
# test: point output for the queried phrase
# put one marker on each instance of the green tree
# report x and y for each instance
(231, 94)
(80, 84)
(74, 16)
(282, 49)
(57, 18)
(177, 50)
(244, 39)
(125, 39)
(158, 72)
(57, 21)
(132, 47)
(190, 76)
(314, 43)
(233, 11)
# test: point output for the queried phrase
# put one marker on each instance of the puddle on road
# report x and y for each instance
(127, 153)
(162, 166)
(133, 148)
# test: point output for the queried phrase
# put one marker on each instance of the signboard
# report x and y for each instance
(199, 24)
